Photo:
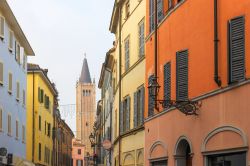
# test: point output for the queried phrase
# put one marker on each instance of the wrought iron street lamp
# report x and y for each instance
(187, 107)
(92, 139)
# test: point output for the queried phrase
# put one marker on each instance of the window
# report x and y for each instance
(24, 61)
(9, 125)
(141, 39)
(159, 163)
(1, 73)
(127, 54)
(79, 162)
(2, 27)
(231, 159)
(236, 49)
(18, 53)
(125, 115)
(17, 91)
(40, 95)
(24, 134)
(79, 151)
(178, 1)
(170, 3)
(167, 81)
(139, 107)
(40, 122)
(49, 128)
(160, 14)
(45, 127)
(127, 9)
(151, 103)
(24, 98)
(11, 40)
(10, 83)
(17, 134)
(1, 119)
(39, 151)
(182, 75)
(47, 102)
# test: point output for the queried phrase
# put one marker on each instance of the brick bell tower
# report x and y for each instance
(85, 107)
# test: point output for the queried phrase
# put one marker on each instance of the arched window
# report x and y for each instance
(183, 153)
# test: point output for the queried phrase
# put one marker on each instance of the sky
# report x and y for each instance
(60, 32)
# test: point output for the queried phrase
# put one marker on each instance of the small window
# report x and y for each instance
(2, 27)
(1, 73)
(1, 119)
(39, 151)
(127, 9)
(17, 132)
(17, 91)
(10, 83)
(24, 134)
(40, 123)
(11, 40)
(79, 151)
(127, 54)
(9, 125)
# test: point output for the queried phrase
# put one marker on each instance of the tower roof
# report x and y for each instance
(85, 75)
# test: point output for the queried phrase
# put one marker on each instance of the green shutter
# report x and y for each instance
(142, 98)
(39, 95)
(128, 115)
(135, 110)
(121, 118)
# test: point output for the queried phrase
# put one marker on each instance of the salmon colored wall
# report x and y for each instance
(227, 109)
(190, 26)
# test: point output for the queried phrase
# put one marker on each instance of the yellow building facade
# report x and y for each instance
(128, 24)
(41, 94)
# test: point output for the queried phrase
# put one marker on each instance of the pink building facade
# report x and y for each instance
(77, 153)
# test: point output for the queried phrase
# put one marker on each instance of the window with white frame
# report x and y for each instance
(10, 83)
(9, 125)
(1, 73)
(17, 132)
(11, 40)
(17, 91)
(2, 26)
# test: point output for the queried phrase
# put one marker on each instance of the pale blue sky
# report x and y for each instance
(60, 31)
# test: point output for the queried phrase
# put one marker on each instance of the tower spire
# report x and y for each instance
(85, 74)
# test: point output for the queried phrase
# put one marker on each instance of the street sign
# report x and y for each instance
(106, 144)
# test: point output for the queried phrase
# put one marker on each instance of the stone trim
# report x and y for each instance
(155, 145)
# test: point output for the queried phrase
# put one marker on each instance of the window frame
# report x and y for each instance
(11, 40)
(9, 125)
(127, 53)
(18, 91)
(10, 82)
(141, 35)
(2, 32)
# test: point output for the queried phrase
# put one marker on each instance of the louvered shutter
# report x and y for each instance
(151, 15)
(167, 81)
(121, 118)
(142, 105)
(2, 27)
(128, 115)
(39, 94)
(135, 110)
(10, 82)
(160, 10)
(182, 75)
(237, 49)
(150, 99)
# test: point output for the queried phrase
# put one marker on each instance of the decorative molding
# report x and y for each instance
(158, 143)
(222, 129)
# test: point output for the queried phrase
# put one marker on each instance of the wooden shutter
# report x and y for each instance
(167, 81)
(127, 54)
(142, 98)
(23, 134)
(17, 129)
(135, 110)
(42, 95)
(150, 99)
(9, 124)
(128, 115)
(182, 75)
(10, 82)
(151, 15)
(1, 119)
(121, 118)
(2, 22)
(11, 39)
(141, 39)
(1, 73)
(237, 49)
(160, 10)
(24, 97)
(39, 94)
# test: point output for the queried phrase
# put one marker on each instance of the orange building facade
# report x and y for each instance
(203, 54)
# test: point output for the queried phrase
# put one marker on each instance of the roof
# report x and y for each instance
(14, 25)
(36, 68)
(85, 75)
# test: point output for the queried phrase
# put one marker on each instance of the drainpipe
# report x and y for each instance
(156, 39)
(33, 118)
(216, 41)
